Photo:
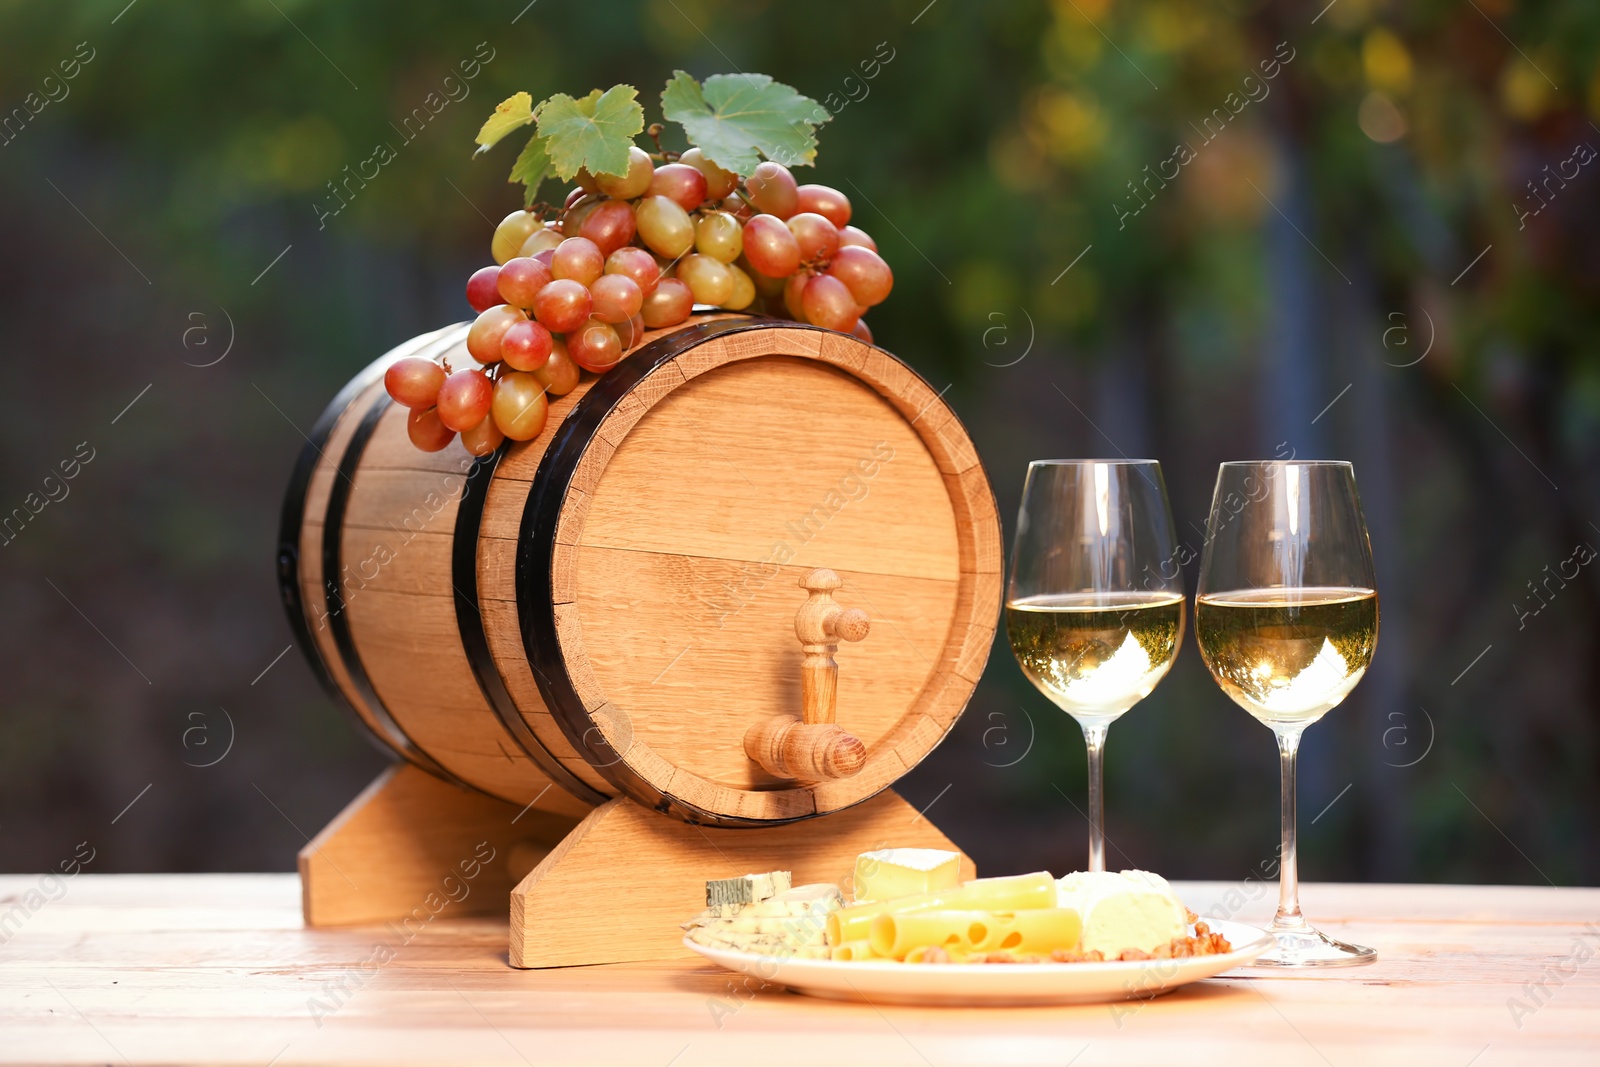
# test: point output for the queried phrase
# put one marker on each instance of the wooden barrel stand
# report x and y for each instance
(595, 651)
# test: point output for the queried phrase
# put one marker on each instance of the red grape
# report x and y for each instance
(864, 273)
(547, 256)
(519, 406)
(792, 290)
(414, 382)
(482, 291)
(617, 298)
(482, 438)
(585, 181)
(631, 332)
(427, 432)
(669, 305)
(850, 235)
(828, 303)
(464, 399)
(770, 247)
(860, 330)
(562, 305)
(483, 339)
(635, 263)
(577, 193)
(816, 236)
(521, 279)
(610, 226)
(525, 346)
(719, 182)
(578, 258)
(631, 184)
(680, 182)
(772, 189)
(559, 375)
(826, 201)
(595, 346)
(572, 221)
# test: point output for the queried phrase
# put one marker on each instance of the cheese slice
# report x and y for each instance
(1129, 909)
(747, 888)
(902, 872)
(792, 922)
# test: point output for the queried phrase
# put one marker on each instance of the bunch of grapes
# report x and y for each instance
(575, 289)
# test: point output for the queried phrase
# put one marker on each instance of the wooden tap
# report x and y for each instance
(812, 745)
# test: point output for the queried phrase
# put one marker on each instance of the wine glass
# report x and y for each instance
(1286, 614)
(1094, 607)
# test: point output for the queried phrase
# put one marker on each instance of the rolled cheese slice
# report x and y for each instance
(962, 932)
(853, 950)
(1128, 909)
(1017, 892)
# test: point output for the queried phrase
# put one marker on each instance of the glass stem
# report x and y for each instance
(1288, 916)
(1094, 739)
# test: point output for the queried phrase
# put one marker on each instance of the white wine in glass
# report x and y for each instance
(1287, 619)
(1094, 606)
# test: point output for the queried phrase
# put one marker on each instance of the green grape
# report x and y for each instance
(664, 226)
(631, 184)
(719, 235)
(546, 237)
(519, 406)
(743, 292)
(708, 279)
(719, 182)
(513, 230)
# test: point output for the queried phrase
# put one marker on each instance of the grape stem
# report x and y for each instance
(660, 154)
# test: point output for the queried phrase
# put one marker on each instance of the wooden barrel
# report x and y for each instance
(604, 610)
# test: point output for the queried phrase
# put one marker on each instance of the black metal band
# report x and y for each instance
(475, 641)
(536, 544)
(291, 524)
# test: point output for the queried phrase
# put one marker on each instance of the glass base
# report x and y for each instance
(1305, 946)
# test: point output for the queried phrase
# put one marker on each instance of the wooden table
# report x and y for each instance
(218, 969)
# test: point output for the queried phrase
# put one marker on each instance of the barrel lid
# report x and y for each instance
(669, 526)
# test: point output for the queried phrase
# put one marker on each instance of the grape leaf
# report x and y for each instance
(735, 119)
(532, 168)
(595, 132)
(510, 114)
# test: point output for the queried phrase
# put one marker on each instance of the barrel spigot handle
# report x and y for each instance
(812, 745)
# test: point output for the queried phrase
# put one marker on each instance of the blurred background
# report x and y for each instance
(1194, 232)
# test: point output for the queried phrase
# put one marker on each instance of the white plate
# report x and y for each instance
(993, 984)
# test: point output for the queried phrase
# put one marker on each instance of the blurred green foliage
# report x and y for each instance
(1321, 235)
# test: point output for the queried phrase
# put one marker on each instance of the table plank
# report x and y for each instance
(218, 969)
